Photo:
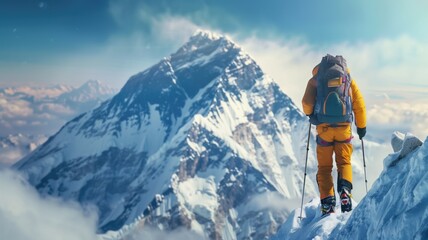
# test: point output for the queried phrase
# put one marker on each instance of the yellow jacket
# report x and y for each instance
(358, 105)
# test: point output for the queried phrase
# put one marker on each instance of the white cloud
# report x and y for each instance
(8, 157)
(55, 108)
(24, 214)
(23, 108)
(174, 29)
(399, 116)
(388, 64)
(272, 201)
(38, 92)
(5, 124)
(38, 123)
(383, 65)
(289, 63)
(20, 123)
(14, 107)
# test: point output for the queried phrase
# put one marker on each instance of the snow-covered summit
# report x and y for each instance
(201, 140)
(92, 90)
(204, 33)
(203, 38)
(197, 63)
(96, 87)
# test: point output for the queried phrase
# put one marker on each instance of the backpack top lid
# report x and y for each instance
(331, 60)
(333, 102)
(332, 67)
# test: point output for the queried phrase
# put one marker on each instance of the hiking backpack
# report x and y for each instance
(333, 102)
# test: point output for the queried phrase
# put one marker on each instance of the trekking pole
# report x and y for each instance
(364, 161)
(306, 164)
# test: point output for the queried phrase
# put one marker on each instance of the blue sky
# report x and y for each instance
(53, 25)
(41, 30)
(61, 41)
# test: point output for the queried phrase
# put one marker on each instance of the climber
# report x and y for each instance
(330, 100)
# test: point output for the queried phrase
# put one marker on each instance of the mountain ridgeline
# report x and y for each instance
(202, 140)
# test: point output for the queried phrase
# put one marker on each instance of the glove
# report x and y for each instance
(361, 132)
(313, 119)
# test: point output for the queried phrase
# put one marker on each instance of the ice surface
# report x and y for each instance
(312, 225)
(397, 140)
(404, 144)
(199, 195)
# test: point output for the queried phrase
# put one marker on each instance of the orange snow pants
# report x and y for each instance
(335, 140)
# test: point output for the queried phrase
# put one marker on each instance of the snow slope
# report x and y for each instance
(394, 208)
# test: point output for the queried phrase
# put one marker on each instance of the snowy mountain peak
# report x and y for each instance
(204, 47)
(96, 87)
(200, 140)
(203, 33)
(204, 38)
(92, 90)
(203, 51)
(92, 84)
(206, 60)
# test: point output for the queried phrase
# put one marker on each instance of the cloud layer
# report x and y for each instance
(24, 214)
(15, 147)
(385, 118)
(44, 110)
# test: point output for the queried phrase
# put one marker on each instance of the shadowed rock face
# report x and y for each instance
(397, 140)
(193, 141)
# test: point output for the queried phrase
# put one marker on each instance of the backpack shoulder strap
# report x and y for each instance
(315, 70)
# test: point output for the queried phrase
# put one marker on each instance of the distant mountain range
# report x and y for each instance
(28, 115)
